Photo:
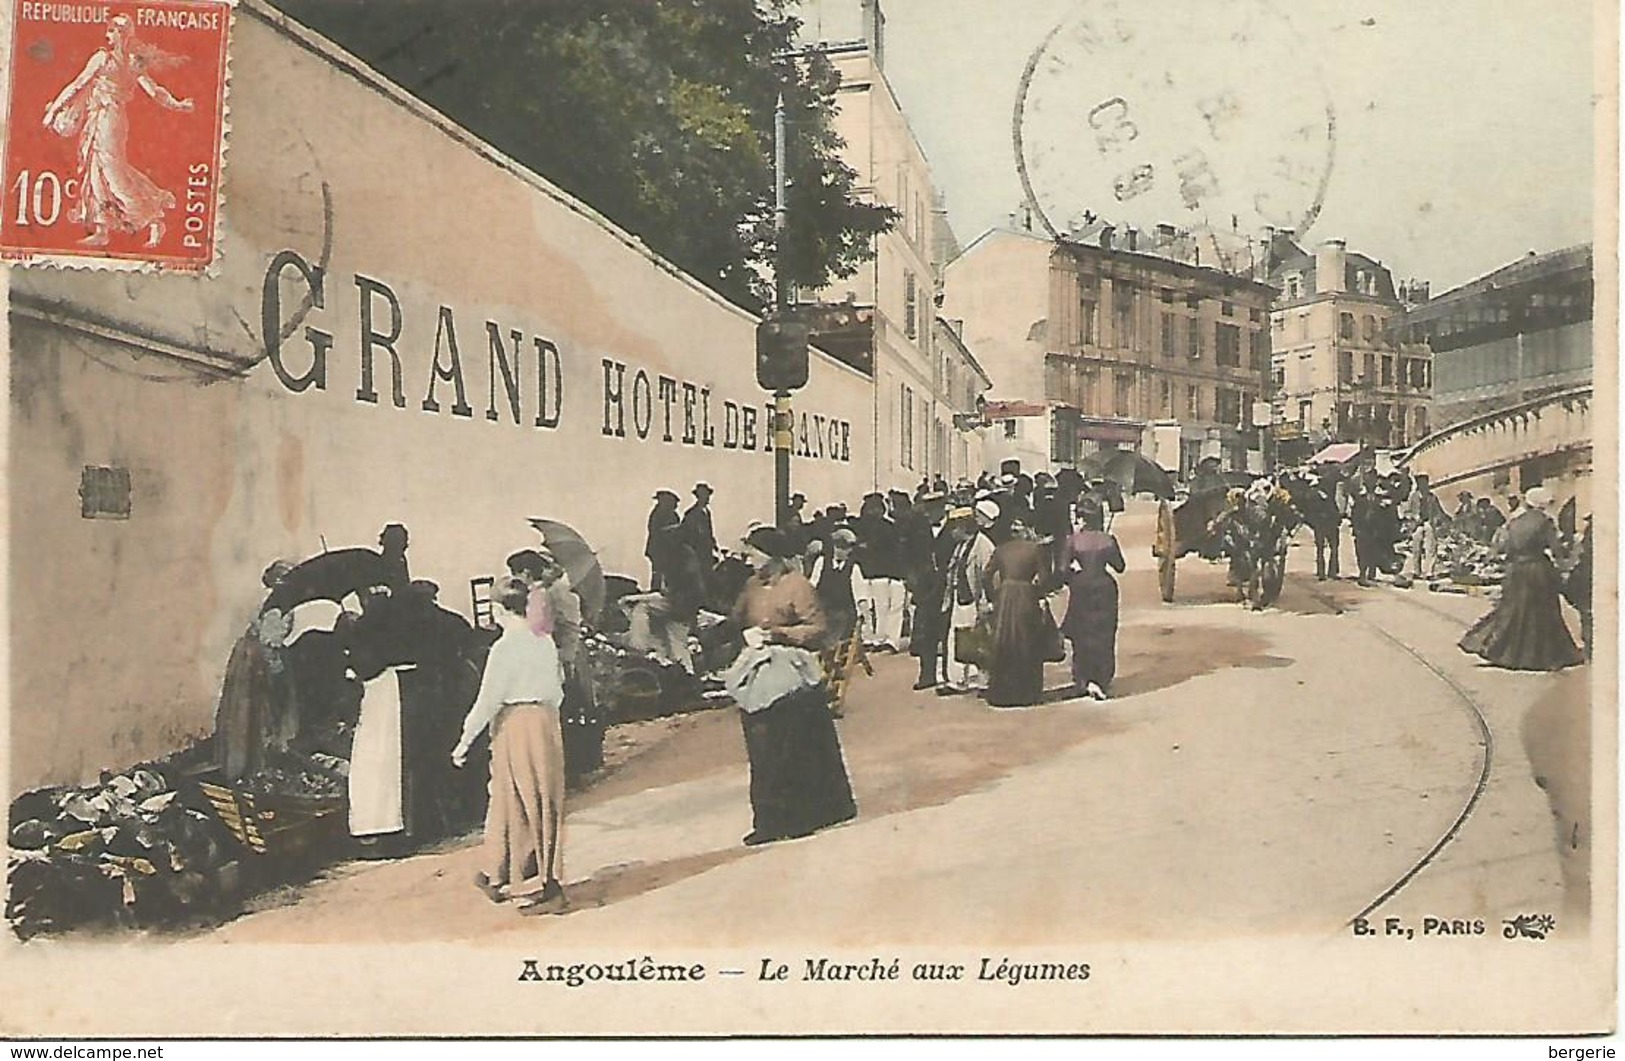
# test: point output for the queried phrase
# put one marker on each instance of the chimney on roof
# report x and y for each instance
(1331, 265)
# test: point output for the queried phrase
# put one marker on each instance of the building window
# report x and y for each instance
(1368, 374)
(1258, 350)
(1370, 325)
(1227, 345)
(1387, 370)
(1278, 376)
(1294, 287)
(1123, 393)
(910, 306)
(1167, 296)
(1194, 349)
(1123, 304)
(1166, 399)
(1305, 411)
(1345, 325)
(1088, 310)
(1227, 406)
(1193, 402)
(1227, 309)
(1170, 340)
(1009, 429)
(1345, 366)
(1278, 325)
(1193, 303)
(1255, 315)
(906, 425)
(104, 493)
(1303, 326)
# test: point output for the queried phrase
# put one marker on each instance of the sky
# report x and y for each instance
(1463, 128)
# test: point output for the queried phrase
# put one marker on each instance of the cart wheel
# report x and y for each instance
(1165, 550)
(1274, 578)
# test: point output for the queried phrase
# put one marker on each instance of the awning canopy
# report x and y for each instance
(1337, 453)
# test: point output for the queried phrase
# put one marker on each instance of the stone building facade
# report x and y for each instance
(1341, 372)
(1092, 344)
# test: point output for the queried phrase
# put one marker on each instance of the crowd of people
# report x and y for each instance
(959, 577)
(962, 578)
(1404, 535)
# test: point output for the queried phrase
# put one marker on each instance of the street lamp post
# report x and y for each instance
(782, 302)
(781, 338)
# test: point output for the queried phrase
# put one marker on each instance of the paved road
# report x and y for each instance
(1267, 774)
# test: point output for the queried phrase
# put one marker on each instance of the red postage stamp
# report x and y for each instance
(114, 135)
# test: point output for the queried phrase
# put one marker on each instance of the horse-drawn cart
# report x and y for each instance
(1252, 532)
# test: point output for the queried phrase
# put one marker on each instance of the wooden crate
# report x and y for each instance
(271, 824)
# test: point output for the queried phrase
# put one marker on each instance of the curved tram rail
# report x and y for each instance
(1486, 743)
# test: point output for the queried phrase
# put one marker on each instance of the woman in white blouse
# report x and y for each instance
(519, 700)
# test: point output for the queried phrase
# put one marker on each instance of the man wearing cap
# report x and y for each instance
(696, 527)
(664, 523)
(1424, 515)
(833, 575)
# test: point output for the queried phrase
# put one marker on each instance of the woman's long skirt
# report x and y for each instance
(798, 779)
(1016, 671)
(1525, 630)
(1090, 625)
(583, 727)
(377, 806)
(526, 814)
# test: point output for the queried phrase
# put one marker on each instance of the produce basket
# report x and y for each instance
(272, 824)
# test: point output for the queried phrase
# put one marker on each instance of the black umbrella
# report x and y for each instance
(1135, 473)
(333, 576)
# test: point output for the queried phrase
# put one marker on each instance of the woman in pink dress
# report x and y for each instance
(112, 192)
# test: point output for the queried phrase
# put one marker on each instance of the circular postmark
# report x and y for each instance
(1194, 115)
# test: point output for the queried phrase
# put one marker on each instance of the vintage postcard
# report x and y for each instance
(840, 517)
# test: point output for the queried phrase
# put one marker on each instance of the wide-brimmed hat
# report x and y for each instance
(844, 536)
(1539, 497)
(703, 488)
(661, 495)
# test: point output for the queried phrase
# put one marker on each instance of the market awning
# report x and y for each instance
(1337, 453)
(1007, 410)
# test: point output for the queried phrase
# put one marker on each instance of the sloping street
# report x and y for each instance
(1255, 774)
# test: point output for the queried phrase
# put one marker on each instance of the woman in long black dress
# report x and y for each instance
(1020, 628)
(798, 779)
(1089, 557)
(1525, 630)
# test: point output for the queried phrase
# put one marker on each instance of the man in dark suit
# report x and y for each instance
(664, 523)
(696, 528)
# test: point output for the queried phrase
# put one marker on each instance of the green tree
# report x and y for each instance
(658, 113)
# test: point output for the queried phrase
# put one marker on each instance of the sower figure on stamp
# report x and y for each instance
(112, 192)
